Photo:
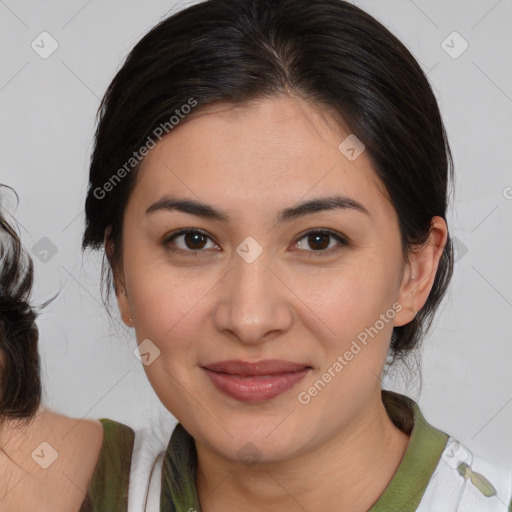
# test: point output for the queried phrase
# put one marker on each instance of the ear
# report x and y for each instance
(119, 286)
(420, 272)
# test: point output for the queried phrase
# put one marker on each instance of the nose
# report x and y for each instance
(254, 304)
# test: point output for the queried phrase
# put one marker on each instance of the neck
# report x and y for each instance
(348, 472)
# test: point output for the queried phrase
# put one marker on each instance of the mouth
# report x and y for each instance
(253, 382)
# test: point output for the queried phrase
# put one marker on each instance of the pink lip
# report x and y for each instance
(251, 382)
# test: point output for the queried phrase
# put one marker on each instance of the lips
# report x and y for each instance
(246, 369)
(257, 381)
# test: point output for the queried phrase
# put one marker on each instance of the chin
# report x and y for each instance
(262, 444)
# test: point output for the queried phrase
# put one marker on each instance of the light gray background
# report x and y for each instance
(47, 120)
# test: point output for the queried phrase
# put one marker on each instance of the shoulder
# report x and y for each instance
(51, 451)
(108, 487)
(467, 481)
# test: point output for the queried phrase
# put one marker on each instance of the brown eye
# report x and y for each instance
(194, 240)
(320, 242)
(187, 241)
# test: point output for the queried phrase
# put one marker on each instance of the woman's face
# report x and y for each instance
(259, 285)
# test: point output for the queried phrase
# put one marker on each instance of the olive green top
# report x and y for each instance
(109, 486)
(108, 490)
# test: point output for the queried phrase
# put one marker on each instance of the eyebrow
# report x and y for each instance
(207, 211)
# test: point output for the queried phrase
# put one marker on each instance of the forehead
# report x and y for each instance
(277, 150)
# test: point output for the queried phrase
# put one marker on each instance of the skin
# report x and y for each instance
(60, 487)
(339, 451)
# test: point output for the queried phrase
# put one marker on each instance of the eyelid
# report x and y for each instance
(341, 239)
(183, 231)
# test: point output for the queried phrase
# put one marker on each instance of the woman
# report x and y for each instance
(269, 183)
(41, 451)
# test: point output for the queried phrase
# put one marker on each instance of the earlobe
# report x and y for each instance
(124, 305)
(407, 311)
(420, 272)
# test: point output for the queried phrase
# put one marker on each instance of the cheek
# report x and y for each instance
(344, 301)
(333, 303)
(356, 312)
(161, 296)
(172, 309)
(167, 313)
(163, 307)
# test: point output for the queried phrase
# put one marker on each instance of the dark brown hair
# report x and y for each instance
(20, 384)
(328, 52)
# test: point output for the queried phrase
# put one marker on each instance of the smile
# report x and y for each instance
(252, 382)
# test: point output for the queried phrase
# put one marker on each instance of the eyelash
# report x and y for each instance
(313, 254)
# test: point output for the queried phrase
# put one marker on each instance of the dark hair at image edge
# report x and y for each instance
(328, 52)
(20, 384)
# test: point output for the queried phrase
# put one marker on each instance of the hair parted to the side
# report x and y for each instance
(328, 52)
(20, 383)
